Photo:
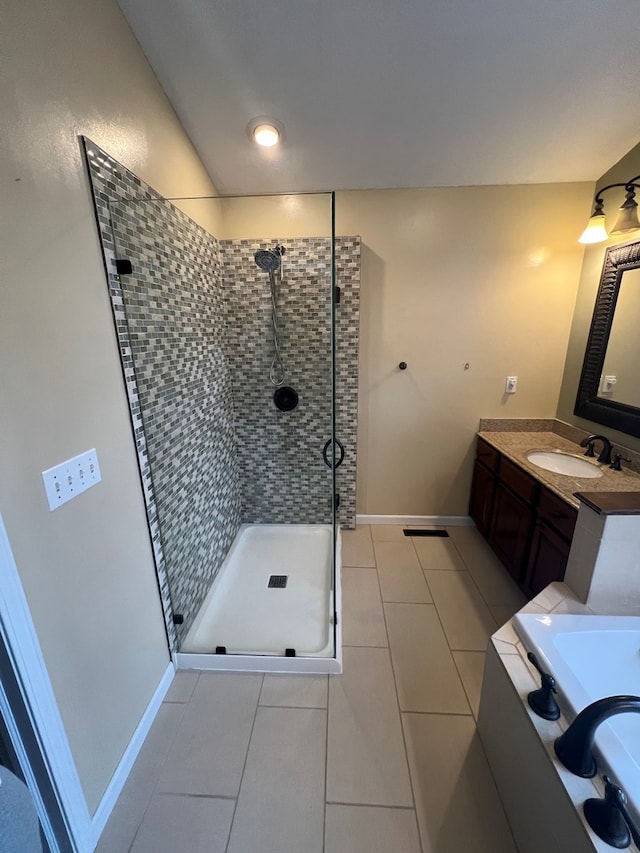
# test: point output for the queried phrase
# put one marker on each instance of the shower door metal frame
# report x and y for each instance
(334, 492)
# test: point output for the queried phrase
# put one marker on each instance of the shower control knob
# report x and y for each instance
(403, 365)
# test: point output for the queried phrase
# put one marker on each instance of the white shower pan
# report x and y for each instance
(254, 622)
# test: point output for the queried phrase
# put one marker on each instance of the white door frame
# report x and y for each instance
(18, 635)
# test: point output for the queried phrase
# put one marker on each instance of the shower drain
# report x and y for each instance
(278, 581)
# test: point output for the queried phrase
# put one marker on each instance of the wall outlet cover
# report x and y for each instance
(69, 479)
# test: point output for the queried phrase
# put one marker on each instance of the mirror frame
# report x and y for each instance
(620, 416)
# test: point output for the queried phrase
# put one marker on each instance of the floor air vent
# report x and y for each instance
(278, 581)
(425, 532)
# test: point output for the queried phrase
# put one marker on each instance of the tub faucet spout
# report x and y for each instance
(605, 453)
(574, 748)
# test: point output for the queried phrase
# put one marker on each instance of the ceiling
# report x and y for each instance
(411, 93)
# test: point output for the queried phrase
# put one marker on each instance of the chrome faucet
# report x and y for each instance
(605, 453)
(574, 748)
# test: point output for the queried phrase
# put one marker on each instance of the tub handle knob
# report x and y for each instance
(542, 701)
(609, 818)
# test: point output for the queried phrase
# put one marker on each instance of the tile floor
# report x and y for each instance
(382, 759)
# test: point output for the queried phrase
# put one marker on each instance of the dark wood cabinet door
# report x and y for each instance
(481, 500)
(510, 531)
(547, 560)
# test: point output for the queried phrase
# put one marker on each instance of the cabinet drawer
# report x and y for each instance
(518, 480)
(557, 513)
(487, 454)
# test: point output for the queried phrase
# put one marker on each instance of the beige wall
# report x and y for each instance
(479, 275)
(73, 67)
(484, 275)
(627, 167)
(275, 217)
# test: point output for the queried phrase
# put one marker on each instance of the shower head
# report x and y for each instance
(268, 259)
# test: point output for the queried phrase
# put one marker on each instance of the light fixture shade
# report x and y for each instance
(628, 219)
(595, 232)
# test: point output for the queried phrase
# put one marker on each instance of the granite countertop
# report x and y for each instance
(516, 445)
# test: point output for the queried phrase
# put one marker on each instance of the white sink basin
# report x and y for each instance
(564, 463)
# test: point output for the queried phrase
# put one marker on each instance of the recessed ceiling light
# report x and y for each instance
(265, 131)
(267, 135)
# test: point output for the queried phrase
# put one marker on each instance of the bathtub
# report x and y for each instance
(592, 657)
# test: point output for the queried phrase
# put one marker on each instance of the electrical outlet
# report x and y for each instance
(69, 479)
(511, 385)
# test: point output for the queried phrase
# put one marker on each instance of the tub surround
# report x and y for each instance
(543, 799)
(604, 564)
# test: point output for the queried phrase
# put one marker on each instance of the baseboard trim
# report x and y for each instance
(115, 786)
(417, 520)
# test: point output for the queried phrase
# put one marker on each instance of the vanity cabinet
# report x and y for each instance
(551, 542)
(513, 516)
(483, 485)
(547, 559)
(529, 527)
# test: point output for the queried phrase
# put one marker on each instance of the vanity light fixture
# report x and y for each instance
(596, 232)
(265, 131)
(628, 219)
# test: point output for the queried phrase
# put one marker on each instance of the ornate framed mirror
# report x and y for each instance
(609, 389)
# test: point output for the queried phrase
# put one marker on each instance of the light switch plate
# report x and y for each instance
(69, 479)
(511, 385)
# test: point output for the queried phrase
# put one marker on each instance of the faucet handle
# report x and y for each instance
(617, 459)
(589, 451)
(609, 818)
(541, 701)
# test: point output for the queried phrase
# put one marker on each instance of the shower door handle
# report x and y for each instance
(325, 454)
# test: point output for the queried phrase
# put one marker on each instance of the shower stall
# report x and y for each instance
(237, 326)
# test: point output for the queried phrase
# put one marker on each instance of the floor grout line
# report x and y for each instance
(244, 765)
(467, 572)
(446, 639)
(226, 797)
(157, 780)
(369, 805)
(439, 713)
(482, 596)
(404, 740)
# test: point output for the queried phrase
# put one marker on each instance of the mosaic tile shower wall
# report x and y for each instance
(280, 453)
(173, 353)
(347, 344)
